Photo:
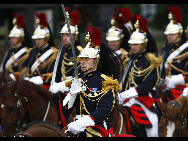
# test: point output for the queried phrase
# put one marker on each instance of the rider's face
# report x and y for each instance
(172, 37)
(14, 41)
(86, 63)
(136, 48)
(114, 45)
(39, 42)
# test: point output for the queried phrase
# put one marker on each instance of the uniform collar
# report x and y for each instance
(91, 73)
(141, 54)
(18, 47)
(44, 48)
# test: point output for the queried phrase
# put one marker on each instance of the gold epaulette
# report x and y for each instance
(79, 48)
(68, 83)
(155, 61)
(124, 52)
(110, 84)
(55, 51)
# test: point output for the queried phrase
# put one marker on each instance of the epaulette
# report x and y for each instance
(68, 83)
(110, 84)
(155, 61)
(123, 51)
(55, 51)
(79, 48)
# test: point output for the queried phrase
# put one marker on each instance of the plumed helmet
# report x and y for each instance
(94, 39)
(18, 29)
(175, 21)
(42, 30)
(115, 32)
(73, 18)
(139, 36)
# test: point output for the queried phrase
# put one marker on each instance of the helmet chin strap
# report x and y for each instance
(175, 40)
(141, 50)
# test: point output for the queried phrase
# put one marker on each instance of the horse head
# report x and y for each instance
(173, 122)
(12, 109)
(5, 78)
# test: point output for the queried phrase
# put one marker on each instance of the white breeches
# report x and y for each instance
(151, 132)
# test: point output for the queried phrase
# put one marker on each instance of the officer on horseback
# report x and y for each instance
(140, 77)
(93, 94)
(174, 67)
(65, 68)
(16, 57)
(43, 55)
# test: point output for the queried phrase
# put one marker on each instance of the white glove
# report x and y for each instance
(185, 92)
(26, 78)
(76, 87)
(175, 80)
(127, 94)
(80, 124)
(58, 87)
(37, 80)
(12, 76)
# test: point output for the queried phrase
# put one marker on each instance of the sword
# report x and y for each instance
(72, 43)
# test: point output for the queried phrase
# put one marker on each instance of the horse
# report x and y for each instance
(22, 102)
(173, 122)
(118, 120)
(41, 129)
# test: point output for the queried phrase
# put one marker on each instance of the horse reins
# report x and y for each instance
(18, 123)
(18, 105)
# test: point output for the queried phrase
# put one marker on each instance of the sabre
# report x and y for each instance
(72, 43)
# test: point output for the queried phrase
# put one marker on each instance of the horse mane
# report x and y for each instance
(44, 93)
(39, 123)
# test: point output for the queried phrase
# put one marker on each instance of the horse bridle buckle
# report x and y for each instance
(19, 103)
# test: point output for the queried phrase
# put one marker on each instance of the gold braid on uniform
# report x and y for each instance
(19, 61)
(70, 63)
(154, 63)
(178, 59)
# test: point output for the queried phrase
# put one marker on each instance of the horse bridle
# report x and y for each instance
(18, 123)
(183, 119)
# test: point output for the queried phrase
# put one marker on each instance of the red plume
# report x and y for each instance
(75, 16)
(143, 22)
(170, 9)
(89, 28)
(177, 14)
(14, 15)
(20, 21)
(96, 36)
(36, 14)
(138, 17)
(120, 22)
(42, 17)
(66, 9)
(126, 13)
(114, 15)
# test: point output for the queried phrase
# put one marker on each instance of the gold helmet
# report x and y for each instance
(19, 24)
(139, 36)
(42, 30)
(92, 49)
(73, 19)
(175, 21)
(115, 32)
(94, 39)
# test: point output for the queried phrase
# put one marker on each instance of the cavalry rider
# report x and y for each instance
(141, 75)
(15, 58)
(43, 55)
(119, 34)
(174, 66)
(93, 94)
(65, 68)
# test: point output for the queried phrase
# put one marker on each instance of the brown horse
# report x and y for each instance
(173, 122)
(118, 120)
(41, 129)
(22, 102)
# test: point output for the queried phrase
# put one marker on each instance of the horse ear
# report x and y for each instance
(2, 75)
(14, 86)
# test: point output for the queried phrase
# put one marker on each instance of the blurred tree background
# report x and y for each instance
(98, 15)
